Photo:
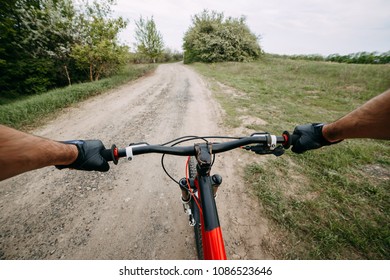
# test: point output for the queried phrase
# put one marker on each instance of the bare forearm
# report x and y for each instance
(371, 120)
(21, 152)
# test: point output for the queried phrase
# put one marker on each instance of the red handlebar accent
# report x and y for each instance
(115, 153)
(287, 139)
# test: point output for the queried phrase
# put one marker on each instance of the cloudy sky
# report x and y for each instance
(285, 26)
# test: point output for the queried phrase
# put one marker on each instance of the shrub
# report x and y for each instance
(212, 38)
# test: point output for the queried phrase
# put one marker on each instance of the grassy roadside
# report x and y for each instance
(332, 203)
(31, 110)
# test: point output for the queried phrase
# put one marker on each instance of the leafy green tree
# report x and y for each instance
(16, 62)
(36, 36)
(97, 49)
(51, 31)
(212, 38)
(149, 40)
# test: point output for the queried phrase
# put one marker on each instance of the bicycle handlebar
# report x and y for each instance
(265, 140)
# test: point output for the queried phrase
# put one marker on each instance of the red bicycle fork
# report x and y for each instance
(212, 239)
(213, 245)
(204, 194)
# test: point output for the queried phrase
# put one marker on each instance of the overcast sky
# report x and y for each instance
(285, 26)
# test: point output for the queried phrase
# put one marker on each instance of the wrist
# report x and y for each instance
(330, 133)
(69, 154)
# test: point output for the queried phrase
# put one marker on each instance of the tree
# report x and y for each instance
(51, 31)
(149, 39)
(22, 71)
(97, 49)
(212, 38)
(36, 39)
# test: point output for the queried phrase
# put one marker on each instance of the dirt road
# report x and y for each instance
(134, 210)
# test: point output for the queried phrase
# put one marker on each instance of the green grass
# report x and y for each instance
(331, 203)
(29, 111)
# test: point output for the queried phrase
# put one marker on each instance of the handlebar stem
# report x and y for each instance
(203, 157)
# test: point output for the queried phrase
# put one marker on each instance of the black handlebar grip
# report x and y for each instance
(294, 139)
(109, 154)
(106, 154)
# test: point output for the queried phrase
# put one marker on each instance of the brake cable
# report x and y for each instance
(183, 139)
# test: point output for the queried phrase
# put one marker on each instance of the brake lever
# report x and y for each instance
(264, 150)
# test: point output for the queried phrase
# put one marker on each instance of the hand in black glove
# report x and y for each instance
(309, 137)
(89, 157)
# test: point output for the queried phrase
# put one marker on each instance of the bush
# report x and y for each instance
(170, 56)
(212, 38)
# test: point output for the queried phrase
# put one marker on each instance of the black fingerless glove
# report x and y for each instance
(309, 137)
(89, 157)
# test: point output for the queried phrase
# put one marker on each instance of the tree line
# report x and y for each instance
(54, 43)
(354, 58)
